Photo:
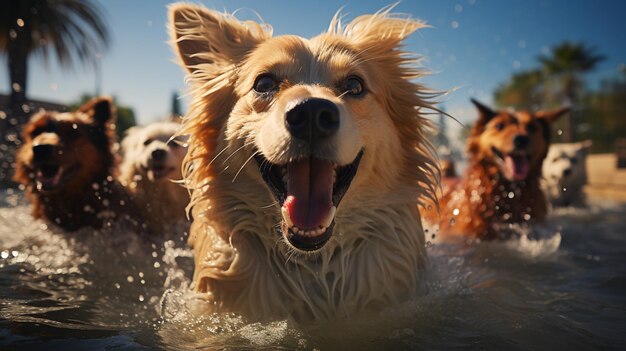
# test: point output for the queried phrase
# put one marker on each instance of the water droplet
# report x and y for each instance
(564, 189)
(130, 279)
(117, 285)
(3, 115)
(95, 186)
(4, 254)
(154, 254)
(140, 274)
(559, 132)
(511, 195)
(141, 298)
(14, 253)
(454, 24)
(526, 217)
(20, 22)
(157, 265)
(12, 34)
(458, 8)
(74, 126)
(456, 212)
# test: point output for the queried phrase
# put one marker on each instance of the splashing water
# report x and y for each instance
(560, 285)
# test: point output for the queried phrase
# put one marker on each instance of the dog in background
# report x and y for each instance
(501, 185)
(565, 173)
(68, 166)
(306, 161)
(151, 163)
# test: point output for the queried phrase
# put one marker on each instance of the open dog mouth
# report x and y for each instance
(160, 170)
(49, 177)
(515, 165)
(308, 191)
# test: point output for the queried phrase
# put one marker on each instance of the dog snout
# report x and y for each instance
(313, 118)
(43, 152)
(520, 141)
(159, 154)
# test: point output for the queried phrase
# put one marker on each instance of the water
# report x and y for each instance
(111, 290)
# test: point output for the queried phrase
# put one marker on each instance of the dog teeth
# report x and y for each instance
(329, 219)
(309, 232)
(286, 217)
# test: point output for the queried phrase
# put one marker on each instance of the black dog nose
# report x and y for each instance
(158, 154)
(43, 152)
(567, 172)
(520, 141)
(313, 118)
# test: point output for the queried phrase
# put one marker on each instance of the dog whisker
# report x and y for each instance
(244, 164)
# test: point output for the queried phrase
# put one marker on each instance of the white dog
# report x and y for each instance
(151, 163)
(565, 173)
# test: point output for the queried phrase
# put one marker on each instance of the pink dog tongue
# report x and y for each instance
(518, 165)
(309, 192)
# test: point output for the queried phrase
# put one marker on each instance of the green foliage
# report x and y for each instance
(557, 81)
(125, 115)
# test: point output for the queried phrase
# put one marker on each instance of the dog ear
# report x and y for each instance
(211, 41)
(381, 32)
(552, 115)
(586, 145)
(485, 114)
(100, 110)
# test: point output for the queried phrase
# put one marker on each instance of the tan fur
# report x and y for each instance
(376, 252)
(161, 199)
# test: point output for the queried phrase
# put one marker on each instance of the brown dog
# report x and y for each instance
(506, 150)
(67, 164)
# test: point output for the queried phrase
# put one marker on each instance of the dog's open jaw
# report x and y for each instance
(308, 191)
(515, 165)
(50, 176)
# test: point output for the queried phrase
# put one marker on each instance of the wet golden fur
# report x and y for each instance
(474, 206)
(376, 253)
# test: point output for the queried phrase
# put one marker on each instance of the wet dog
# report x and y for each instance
(151, 163)
(501, 185)
(306, 161)
(68, 167)
(565, 173)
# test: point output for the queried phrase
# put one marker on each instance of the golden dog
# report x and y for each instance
(306, 161)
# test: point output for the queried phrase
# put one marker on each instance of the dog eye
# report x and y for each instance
(499, 126)
(353, 85)
(574, 160)
(531, 128)
(147, 142)
(265, 83)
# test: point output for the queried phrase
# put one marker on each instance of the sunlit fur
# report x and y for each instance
(83, 141)
(160, 198)
(376, 253)
(484, 198)
(565, 173)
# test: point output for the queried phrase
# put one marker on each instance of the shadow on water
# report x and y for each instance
(110, 289)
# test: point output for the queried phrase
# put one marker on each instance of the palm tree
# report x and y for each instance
(522, 91)
(73, 29)
(567, 63)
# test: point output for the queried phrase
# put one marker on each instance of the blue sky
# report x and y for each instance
(473, 45)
